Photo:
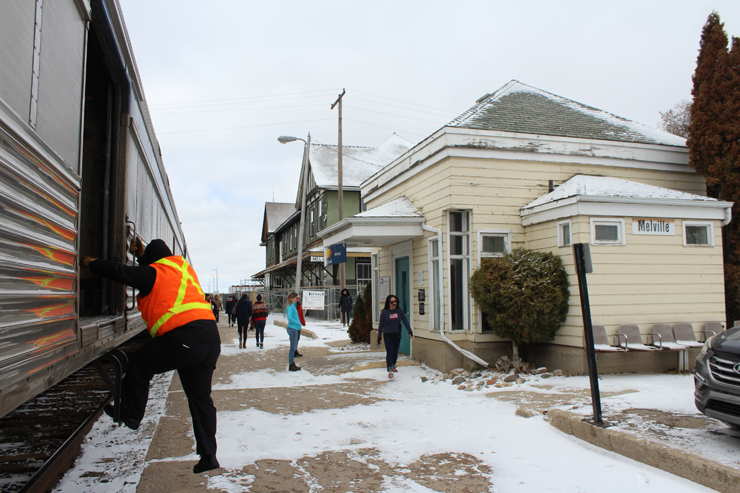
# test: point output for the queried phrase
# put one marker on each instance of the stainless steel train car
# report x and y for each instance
(81, 174)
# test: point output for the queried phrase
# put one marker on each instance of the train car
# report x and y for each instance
(81, 174)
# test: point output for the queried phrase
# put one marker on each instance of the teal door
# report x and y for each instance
(402, 293)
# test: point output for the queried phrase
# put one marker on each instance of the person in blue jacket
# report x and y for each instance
(294, 329)
(390, 324)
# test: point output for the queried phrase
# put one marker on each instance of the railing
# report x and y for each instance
(276, 300)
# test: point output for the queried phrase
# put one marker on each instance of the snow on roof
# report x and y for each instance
(358, 163)
(276, 213)
(517, 107)
(607, 186)
(401, 207)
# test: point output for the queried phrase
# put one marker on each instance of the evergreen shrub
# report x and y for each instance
(524, 295)
(362, 317)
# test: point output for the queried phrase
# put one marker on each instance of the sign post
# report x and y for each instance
(582, 256)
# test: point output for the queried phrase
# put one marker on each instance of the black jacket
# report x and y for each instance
(345, 302)
(243, 310)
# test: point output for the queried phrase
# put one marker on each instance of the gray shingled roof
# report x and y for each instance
(358, 163)
(520, 108)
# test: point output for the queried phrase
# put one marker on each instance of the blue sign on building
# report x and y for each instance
(336, 254)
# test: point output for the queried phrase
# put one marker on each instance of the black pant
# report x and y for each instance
(232, 318)
(392, 344)
(180, 349)
(345, 317)
(215, 314)
(242, 327)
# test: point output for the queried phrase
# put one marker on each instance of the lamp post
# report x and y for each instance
(216, 279)
(284, 139)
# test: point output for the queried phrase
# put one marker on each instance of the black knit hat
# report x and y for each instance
(155, 250)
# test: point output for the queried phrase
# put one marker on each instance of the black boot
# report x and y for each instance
(294, 367)
(131, 423)
(207, 462)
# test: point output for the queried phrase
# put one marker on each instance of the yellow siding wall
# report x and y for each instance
(690, 279)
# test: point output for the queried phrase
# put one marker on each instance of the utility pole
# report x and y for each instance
(340, 198)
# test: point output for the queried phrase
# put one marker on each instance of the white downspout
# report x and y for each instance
(441, 305)
(728, 217)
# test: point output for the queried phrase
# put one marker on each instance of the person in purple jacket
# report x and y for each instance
(390, 324)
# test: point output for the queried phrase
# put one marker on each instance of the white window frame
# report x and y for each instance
(374, 261)
(561, 240)
(362, 281)
(467, 322)
(311, 224)
(710, 233)
(431, 299)
(493, 232)
(608, 220)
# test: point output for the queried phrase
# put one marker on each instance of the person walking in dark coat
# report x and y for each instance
(230, 304)
(243, 314)
(184, 338)
(345, 306)
(389, 325)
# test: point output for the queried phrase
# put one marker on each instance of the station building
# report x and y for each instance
(526, 168)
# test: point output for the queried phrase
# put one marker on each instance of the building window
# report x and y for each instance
(277, 281)
(435, 310)
(320, 219)
(363, 271)
(375, 286)
(459, 269)
(607, 232)
(564, 234)
(698, 234)
(494, 243)
(311, 216)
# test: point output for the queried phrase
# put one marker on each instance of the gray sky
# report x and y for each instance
(225, 78)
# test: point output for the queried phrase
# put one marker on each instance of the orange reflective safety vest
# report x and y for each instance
(175, 299)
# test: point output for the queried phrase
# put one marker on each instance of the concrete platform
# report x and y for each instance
(171, 455)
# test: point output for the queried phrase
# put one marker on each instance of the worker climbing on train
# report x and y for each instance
(184, 338)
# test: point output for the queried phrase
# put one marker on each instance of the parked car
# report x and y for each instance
(717, 377)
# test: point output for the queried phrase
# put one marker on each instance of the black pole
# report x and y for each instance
(581, 269)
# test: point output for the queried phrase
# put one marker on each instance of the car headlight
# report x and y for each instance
(707, 345)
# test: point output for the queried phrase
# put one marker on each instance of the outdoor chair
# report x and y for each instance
(712, 329)
(684, 334)
(601, 342)
(665, 339)
(632, 338)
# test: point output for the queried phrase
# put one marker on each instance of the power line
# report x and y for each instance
(401, 107)
(236, 109)
(404, 102)
(387, 128)
(242, 99)
(247, 126)
(391, 114)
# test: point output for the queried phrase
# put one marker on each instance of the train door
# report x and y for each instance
(97, 221)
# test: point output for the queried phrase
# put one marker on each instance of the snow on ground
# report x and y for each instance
(414, 419)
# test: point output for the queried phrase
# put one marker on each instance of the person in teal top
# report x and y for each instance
(294, 329)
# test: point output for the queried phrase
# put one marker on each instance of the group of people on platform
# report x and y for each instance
(182, 322)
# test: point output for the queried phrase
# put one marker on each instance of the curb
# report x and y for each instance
(304, 331)
(649, 451)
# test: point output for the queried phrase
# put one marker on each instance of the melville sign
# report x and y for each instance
(653, 227)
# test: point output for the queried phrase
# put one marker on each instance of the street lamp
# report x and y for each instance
(284, 139)
(216, 279)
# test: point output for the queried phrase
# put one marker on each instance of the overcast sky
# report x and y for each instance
(225, 78)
